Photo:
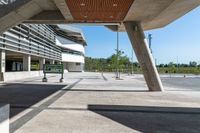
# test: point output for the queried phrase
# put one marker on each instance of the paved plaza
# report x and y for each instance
(97, 103)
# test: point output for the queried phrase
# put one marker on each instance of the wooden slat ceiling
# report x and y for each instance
(99, 10)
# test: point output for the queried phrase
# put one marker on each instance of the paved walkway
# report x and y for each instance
(96, 103)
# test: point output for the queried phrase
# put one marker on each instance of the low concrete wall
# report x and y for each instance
(9, 76)
(4, 118)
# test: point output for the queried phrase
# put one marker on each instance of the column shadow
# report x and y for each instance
(23, 96)
(152, 119)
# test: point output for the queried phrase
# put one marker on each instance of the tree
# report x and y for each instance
(124, 62)
(193, 64)
(172, 67)
(109, 64)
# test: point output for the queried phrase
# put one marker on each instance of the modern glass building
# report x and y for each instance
(26, 47)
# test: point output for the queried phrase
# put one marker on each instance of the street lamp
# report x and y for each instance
(150, 44)
(117, 54)
(131, 61)
(150, 39)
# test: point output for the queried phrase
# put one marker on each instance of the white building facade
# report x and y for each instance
(72, 44)
(26, 47)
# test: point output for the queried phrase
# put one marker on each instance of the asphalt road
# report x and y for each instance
(189, 83)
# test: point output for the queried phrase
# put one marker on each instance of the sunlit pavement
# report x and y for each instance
(97, 103)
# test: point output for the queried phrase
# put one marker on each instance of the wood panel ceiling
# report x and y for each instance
(99, 10)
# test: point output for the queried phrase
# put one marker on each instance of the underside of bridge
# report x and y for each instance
(132, 16)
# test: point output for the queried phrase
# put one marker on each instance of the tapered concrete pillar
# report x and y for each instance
(26, 63)
(2, 61)
(142, 51)
(41, 63)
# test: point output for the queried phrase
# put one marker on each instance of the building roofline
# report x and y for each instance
(69, 32)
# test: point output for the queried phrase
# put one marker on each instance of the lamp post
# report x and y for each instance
(177, 64)
(117, 54)
(150, 38)
(150, 44)
(131, 61)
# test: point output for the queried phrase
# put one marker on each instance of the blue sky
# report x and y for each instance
(178, 41)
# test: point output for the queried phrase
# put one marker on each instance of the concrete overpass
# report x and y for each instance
(132, 16)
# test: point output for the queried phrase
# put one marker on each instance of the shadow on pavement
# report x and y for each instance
(152, 119)
(22, 96)
(39, 92)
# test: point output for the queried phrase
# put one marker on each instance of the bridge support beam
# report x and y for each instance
(144, 56)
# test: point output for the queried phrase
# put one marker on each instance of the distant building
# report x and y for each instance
(26, 47)
(72, 42)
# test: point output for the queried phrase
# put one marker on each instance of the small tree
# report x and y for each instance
(172, 67)
(193, 64)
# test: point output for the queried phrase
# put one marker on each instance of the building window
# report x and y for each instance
(69, 51)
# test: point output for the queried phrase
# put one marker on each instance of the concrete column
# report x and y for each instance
(142, 51)
(26, 63)
(41, 63)
(2, 61)
(52, 61)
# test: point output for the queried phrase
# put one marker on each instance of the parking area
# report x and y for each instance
(97, 103)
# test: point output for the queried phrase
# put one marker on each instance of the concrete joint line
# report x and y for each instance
(28, 116)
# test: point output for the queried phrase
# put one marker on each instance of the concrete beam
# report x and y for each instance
(174, 11)
(62, 6)
(14, 16)
(46, 4)
(20, 10)
(115, 27)
(7, 8)
(139, 44)
(51, 16)
(157, 13)
(146, 10)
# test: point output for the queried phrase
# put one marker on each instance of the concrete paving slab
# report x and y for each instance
(88, 103)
